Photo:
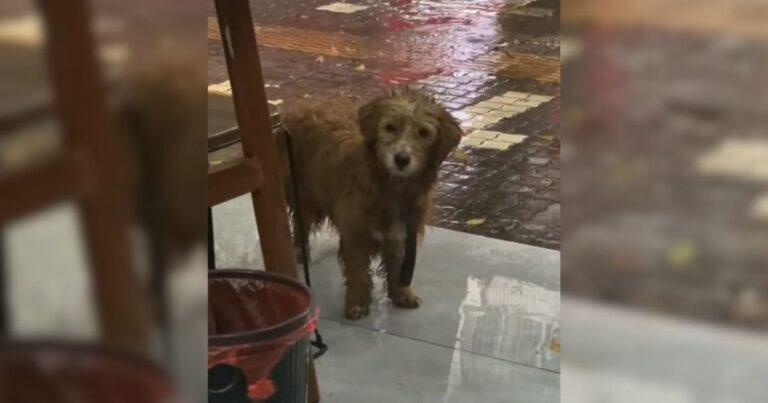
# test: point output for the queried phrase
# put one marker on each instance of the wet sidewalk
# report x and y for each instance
(488, 329)
(493, 63)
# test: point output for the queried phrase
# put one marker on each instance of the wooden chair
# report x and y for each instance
(84, 170)
(258, 171)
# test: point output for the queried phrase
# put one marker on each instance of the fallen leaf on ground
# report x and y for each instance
(460, 155)
(681, 255)
(554, 346)
(475, 222)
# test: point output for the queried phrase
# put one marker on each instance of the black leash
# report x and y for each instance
(299, 227)
(409, 260)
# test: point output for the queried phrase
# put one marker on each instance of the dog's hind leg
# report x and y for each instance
(393, 250)
(355, 255)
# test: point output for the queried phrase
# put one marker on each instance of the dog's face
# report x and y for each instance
(408, 132)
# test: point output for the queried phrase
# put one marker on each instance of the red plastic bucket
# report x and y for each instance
(56, 372)
(254, 318)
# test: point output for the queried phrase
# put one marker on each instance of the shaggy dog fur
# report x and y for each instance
(369, 173)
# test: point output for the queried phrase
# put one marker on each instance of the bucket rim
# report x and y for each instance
(278, 330)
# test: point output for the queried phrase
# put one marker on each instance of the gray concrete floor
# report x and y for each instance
(630, 356)
(488, 329)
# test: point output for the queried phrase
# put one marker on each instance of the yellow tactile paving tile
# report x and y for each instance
(513, 65)
(484, 134)
(472, 141)
(475, 118)
(492, 139)
(510, 138)
(518, 65)
(495, 145)
(308, 41)
(745, 159)
(341, 7)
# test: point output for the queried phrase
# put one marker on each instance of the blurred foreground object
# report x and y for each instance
(667, 159)
(140, 145)
(76, 373)
(86, 169)
(665, 155)
(624, 356)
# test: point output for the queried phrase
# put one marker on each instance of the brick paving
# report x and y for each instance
(464, 53)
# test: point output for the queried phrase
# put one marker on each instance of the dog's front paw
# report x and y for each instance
(406, 300)
(355, 311)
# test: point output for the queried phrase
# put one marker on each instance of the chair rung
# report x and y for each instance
(36, 187)
(232, 179)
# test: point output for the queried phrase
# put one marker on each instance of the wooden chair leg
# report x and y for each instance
(255, 128)
(81, 107)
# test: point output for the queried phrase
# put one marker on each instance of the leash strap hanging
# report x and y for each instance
(409, 259)
(318, 342)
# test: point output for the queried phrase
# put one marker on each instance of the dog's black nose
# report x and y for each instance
(402, 159)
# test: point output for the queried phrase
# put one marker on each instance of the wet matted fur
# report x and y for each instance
(368, 171)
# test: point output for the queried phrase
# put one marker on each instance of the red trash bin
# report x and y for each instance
(254, 319)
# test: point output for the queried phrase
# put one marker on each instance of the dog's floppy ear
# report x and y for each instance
(448, 134)
(368, 119)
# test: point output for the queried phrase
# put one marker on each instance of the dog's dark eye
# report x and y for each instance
(423, 133)
(390, 128)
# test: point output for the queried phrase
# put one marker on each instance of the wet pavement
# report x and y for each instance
(488, 328)
(493, 63)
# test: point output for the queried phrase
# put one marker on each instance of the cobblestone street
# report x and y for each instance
(493, 63)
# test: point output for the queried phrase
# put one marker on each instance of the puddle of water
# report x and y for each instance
(494, 317)
(395, 24)
(509, 319)
(344, 8)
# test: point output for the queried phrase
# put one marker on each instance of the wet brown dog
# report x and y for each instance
(368, 173)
